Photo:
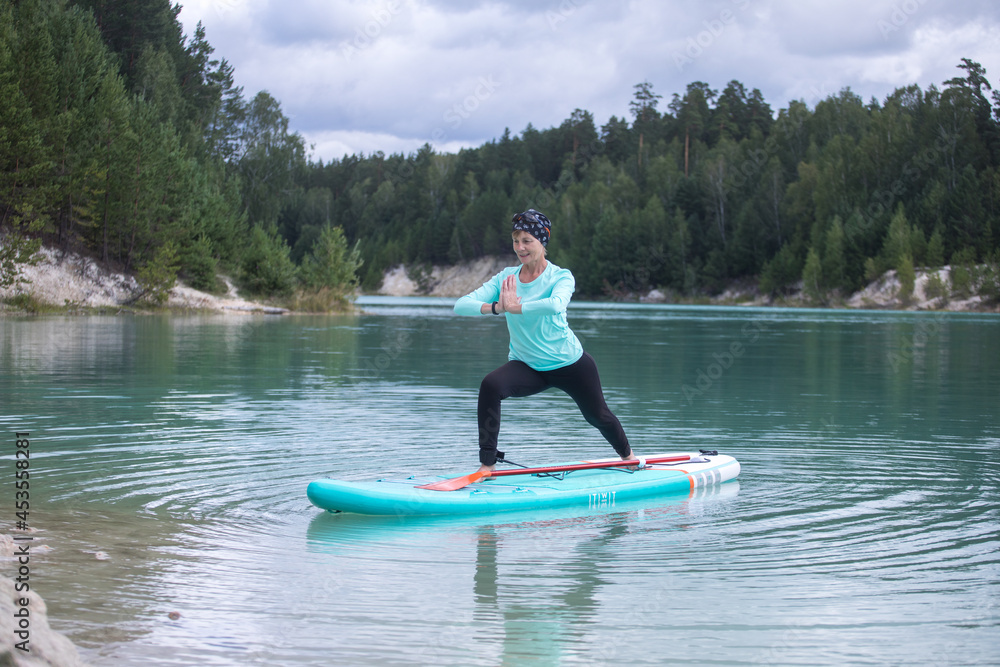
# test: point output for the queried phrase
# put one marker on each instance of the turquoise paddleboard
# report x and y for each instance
(600, 486)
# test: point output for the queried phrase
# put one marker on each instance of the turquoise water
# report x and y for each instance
(170, 455)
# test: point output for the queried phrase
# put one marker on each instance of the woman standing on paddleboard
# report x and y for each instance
(544, 351)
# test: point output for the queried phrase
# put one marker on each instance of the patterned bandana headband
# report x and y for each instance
(534, 223)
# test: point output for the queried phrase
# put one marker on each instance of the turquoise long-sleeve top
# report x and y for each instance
(540, 335)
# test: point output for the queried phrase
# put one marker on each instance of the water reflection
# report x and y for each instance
(524, 586)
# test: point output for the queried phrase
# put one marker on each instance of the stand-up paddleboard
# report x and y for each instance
(598, 484)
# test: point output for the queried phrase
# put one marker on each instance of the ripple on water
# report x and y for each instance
(862, 529)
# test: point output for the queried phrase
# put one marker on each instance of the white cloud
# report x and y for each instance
(391, 75)
(335, 144)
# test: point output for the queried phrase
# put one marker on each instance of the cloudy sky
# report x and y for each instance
(357, 76)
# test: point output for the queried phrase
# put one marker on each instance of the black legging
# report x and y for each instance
(515, 378)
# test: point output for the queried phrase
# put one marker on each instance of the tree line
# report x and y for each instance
(713, 189)
(121, 135)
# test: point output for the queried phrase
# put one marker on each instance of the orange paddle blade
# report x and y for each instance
(455, 483)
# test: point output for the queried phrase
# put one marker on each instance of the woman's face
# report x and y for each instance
(528, 248)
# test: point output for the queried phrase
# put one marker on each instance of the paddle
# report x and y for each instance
(456, 483)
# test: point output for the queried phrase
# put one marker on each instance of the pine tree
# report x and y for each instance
(812, 278)
(935, 249)
(781, 271)
(26, 192)
(158, 275)
(266, 268)
(332, 264)
(198, 265)
(962, 269)
(24, 162)
(643, 108)
(678, 251)
(269, 158)
(834, 272)
(897, 241)
(907, 277)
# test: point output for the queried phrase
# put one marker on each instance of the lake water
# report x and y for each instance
(170, 456)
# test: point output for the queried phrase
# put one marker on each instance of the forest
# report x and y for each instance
(122, 137)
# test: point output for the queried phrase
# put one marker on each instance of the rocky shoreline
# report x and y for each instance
(72, 282)
(445, 281)
(40, 645)
(456, 281)
(26, 639)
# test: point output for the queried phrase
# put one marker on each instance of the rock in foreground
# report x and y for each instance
(46, 647)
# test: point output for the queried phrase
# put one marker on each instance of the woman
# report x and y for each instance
(544, 352)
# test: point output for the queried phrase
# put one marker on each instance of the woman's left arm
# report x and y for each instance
(562, 292)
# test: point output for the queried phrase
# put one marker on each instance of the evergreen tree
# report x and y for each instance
(692, 113)
(812, 278)
(198, 265)
(158, 275)
(907, 277)
(833, 265)
(781, 271)
(616, 138)
(266, 267)
(332, 267)
(268, 158)
(935, 250)
(24, 158)
(680, 272)
(643, 108)
(898, 241)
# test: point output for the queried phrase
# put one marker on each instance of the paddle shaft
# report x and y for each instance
(587, 466)
(460, 482)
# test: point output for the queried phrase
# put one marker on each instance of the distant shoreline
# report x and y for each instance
(458, 280)
(70, 283)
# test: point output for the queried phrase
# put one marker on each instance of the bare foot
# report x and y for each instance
(486, 471)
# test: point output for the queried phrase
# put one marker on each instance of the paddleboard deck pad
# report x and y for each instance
(597, 488)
